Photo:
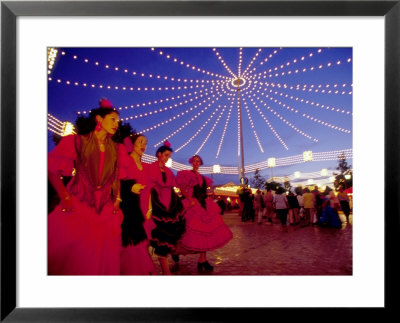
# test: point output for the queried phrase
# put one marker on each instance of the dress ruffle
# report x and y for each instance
(205, 228)
(83, 242)
(169, 224)
(136, 260)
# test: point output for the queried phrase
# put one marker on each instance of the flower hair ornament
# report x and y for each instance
(104, 103)
(167, 144)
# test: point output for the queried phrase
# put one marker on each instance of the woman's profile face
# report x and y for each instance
(110, 122)
(164, 156)
(140, 145)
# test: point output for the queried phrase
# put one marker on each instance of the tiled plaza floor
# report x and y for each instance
(268, 250)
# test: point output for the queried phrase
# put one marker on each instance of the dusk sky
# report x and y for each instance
(292, 100)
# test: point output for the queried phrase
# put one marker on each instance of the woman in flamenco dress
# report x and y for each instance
(205, 228)
(136, 207)
(84, 229)
(167, 208)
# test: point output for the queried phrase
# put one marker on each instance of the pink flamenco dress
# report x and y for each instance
(167, 213)
(205, 228)
(86, 240)
(136, 229)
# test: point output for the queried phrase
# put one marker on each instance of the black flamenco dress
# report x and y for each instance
(167, 212)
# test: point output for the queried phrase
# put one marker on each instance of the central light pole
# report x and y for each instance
(241, 152)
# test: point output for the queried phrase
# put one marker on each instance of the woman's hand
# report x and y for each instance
(148, 214)
(137, 188)
(66, 203)
(116, 205)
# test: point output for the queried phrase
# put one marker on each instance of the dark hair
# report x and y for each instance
(85, 125)
(191, 159)
(124, 130)
(280, 190)
(163, 148)
(135, 137)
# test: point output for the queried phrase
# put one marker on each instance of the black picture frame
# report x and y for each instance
(10, 10)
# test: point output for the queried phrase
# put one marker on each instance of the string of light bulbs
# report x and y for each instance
(310, 102)
(276, 134)
(202, 94)
(134, 73)
(252, 61)
(188, 122)
(199, 130)
(277, 115)
(252, 125)
(223, 62)
(211, 131)
(320, 88)
(182, 63)
(304, 115)
(224, 130)
(275, 51)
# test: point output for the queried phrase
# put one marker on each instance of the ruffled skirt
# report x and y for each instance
(169, 224)
(136, 259)
(82, 242)
(205, 228)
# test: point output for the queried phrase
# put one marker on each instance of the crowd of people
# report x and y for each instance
(299, 207)
(115, 208)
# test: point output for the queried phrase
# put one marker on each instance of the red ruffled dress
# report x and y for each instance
(205, 228)
(85, 241)
(136, 229)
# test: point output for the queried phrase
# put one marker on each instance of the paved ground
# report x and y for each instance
(268, 250)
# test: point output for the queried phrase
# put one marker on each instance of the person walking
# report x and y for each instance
(330, 217)
(136, 207)
(299, 197)
(281, 206)
(84, 229)
(318, 203)
(258, 206)
(344, 203)
(294, 207)
(167, 208)
(268, 202)
(309, 206)
(205, 228)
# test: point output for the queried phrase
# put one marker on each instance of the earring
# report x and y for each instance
(98, 126)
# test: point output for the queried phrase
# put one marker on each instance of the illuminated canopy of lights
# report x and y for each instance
(57, 126)
(51, 58)
(186, 96)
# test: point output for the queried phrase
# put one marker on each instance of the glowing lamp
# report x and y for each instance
(68, 128)
(332, 179)
(296, 174)
(271, 162)
(216, 169)
(324, 172)
(307, 155)
(310, 181)
(347, 176)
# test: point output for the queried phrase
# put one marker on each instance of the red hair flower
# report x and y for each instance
(104, 103)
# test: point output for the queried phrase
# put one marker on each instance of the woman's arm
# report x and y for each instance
(65, 197)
